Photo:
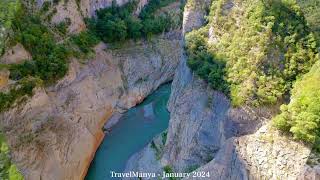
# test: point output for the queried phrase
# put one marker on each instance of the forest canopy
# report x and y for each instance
(260, 52)
(115, 24)
(301, 117)
(8, 9)
(253, 54)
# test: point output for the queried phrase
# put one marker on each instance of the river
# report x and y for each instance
(136, 128)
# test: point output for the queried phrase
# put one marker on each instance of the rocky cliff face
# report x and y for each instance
(89, 7)
(75, 11)
(55, 134)
(206, 134)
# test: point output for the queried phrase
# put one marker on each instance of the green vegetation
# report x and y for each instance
(116, 23)
(86, 40)
(153, 5)
(192, 168)
(168, 169)
(7, 11)
(164, 136)
(301, 117)
(8, 171)
(311, 9)
(63, 26)
(23, 88)
(255, 61)
(157, 151)
(204, 63)
(49, 61)
(256, 52)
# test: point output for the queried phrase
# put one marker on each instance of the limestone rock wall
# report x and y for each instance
(89, 7)
(69, 10)
(55, 134)
(76, 11)
(206, 134)
(14, 55)
(263, 155)
(269, 155)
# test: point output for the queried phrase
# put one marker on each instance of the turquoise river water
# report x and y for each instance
(136, 129)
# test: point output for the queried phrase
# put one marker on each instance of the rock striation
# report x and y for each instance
(206, 133)
(55, 134)
(75, 11)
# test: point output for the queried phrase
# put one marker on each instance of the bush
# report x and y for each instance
(134, 27)
(7, 169)
(168, 169)
(86, 40)
(152, 6)
(49, 69)
(63, 26)
(49, 58)
(116, 23)
(203, 63)
(311, 9)
(301, 117)
(23, 88)
(7, 10)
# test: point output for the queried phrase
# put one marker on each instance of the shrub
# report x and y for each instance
(168, 169)
(134, 27)
(116, 23)
(7, 169)
(203, 63)
(301, 117)
(49, 58)
(63, 26)
(152, 6)
(86, 40)
(311, 9)
(23, 88)
(7, 10)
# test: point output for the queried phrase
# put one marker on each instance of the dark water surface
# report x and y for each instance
(136, 128)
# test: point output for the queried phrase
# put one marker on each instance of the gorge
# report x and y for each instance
(135, 129)
(232, 64)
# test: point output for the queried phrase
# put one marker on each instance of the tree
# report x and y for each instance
(301, 117)
(120, 30)
(85, 41)
(8, 8)
(134, 27)
(114, 24)
(263, 55)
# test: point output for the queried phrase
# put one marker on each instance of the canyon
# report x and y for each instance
(54, 135)
(206, 134)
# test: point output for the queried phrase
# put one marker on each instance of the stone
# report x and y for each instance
(15, 55)
(70, 115)
(77, 10)
(4, 78)
(241, 141)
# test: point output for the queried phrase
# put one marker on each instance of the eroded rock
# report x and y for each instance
(14, 55)
(55, 134)
(207, 134)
